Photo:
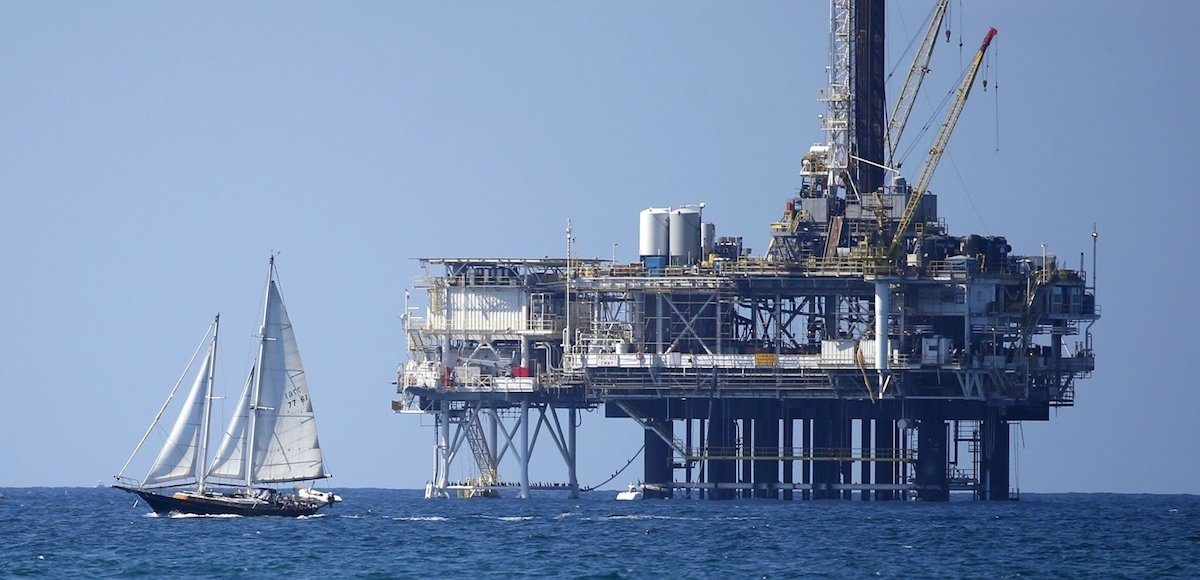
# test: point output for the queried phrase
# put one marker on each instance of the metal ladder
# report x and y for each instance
(479, 448)
(965, 475)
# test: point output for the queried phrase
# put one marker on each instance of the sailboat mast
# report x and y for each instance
(252, 412)
(202, 464)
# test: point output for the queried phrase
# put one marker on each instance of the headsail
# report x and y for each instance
(228, 461)
(285, 446)
(180, 458)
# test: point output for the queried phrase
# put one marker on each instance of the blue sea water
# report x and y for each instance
(64, 532)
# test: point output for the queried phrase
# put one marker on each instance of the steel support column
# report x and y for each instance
(994, 480)
(864, 467)
(932, 456)
(789, 445)
(846, 466)
(721, 444)
(523, 456)
(885, 447)
(657, 455)
(573, 460)
(825, 436)
(806, 444)
(766, 444)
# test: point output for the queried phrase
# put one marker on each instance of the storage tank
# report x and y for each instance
(684, 229)
(653, 232)
(708, 239)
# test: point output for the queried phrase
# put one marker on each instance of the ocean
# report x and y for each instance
(61, 532)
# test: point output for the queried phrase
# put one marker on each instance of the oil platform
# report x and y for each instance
(866, 353)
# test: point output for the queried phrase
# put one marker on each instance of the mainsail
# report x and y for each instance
(284, 446)
(180, 457)
(228, 462)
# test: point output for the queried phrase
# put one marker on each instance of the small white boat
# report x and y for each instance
(632, 493)
(322, 496)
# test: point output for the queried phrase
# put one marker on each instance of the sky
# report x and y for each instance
(153, 155)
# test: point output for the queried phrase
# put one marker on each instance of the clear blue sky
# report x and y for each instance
(153, 154)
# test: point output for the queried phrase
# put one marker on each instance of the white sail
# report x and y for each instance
(285, 446)
(228, 461)
(179, 458)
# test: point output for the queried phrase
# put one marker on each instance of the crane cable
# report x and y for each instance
(911, 41)
(995, 54)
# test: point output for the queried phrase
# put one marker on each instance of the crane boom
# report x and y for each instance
(939, 143)
(912, 84)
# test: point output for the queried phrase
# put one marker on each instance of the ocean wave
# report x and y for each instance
(420, 519)
(179, 516)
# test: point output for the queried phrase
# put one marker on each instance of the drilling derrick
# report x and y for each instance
(868, 352)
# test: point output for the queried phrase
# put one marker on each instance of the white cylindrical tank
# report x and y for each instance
(708, 239)
(685, 236)
(653, 231)
(883, 297)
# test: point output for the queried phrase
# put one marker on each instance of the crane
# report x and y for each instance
(939, 144)
(912, 84)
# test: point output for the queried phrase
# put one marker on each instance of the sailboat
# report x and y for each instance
(271, 438)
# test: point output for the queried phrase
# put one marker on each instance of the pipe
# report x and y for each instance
(882, 307)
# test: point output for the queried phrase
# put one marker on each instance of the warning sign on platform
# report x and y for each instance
(766, 359)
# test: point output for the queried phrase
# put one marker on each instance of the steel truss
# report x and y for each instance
(492, 433)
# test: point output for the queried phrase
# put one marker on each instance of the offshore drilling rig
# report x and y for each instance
(867, 352)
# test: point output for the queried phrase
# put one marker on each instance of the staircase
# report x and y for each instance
(481, 451)
(647, 423)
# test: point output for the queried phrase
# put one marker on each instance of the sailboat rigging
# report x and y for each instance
(271, 438)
